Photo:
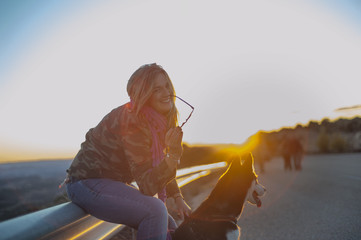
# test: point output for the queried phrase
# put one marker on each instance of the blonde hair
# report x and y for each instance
(140, 89)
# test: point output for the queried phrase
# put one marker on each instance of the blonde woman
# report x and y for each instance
(139, 141)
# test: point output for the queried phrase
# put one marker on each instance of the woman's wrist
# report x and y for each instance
(171, 161)
(173, 157)
(174, 151)
(178, 196)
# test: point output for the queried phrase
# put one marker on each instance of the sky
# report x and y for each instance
(244, 65)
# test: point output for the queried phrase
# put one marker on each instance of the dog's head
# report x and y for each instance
(256, 190)
(245, 170)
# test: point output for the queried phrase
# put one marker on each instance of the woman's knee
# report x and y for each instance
(157, 209)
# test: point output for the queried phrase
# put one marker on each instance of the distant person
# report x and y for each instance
(292, 150)
(286, 154)
(297, 153)
(139, 141)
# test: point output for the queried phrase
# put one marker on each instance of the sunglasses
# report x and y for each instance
(189, 106)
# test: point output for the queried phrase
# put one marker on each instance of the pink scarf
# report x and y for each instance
(158, 126)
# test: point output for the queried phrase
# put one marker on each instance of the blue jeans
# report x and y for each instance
(117, 202)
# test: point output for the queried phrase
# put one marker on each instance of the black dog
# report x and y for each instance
(216, 218)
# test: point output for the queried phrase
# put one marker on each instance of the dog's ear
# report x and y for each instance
(235, 163)
(248, 161)
(235, 160)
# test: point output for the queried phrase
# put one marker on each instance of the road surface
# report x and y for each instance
(321, 202)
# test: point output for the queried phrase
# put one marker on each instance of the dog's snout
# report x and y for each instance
(260, 190)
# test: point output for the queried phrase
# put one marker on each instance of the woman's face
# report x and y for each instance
(161, 101)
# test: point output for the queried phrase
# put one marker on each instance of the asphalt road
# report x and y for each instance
(321, 202)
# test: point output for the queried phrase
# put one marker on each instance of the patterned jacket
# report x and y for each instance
(118, 148)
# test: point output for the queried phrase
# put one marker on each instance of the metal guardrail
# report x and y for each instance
(68, 221)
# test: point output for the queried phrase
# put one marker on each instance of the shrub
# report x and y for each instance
(338, 143)
(323, 141)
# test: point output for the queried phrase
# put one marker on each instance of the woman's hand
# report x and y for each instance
(182, 208)
(173, 141)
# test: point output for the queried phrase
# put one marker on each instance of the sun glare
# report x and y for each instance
(240, 150)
